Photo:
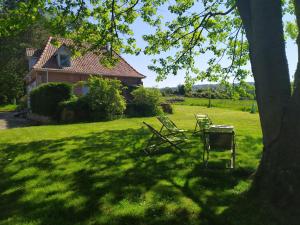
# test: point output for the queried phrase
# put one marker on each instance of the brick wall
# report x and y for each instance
(74, 78)
(41, 77)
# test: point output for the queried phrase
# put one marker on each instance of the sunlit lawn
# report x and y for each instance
(97, 173)
(7, 108)
(242, 105)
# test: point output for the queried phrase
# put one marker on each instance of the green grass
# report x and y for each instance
(7, 108)
(96, 173)
(242, 105)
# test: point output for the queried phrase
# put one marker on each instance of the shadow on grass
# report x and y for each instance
(105, 178)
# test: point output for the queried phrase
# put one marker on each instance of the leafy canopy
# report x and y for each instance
(183, 30)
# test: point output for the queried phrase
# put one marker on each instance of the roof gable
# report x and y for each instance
(88, 63)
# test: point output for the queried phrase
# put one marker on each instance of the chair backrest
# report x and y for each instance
(203, 121)
(167, 122)
(155, 132)
(199, 116)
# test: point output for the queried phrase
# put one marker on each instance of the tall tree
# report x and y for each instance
(13, 63)
(238, 30)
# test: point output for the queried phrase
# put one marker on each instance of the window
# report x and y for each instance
(65, 60)
(85, 90)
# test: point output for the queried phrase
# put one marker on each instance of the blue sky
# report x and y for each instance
(141, 62)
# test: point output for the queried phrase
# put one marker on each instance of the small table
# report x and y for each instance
(219, 137)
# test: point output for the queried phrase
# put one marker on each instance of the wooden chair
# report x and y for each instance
(170, 126)
(219, 137)
(157, 139)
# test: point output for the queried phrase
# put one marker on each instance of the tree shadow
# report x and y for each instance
(105, 178)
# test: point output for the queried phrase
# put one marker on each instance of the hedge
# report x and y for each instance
(146, 102)
(45, 99)
(75, 110)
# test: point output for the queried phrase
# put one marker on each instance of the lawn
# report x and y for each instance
(96, 173)
(242, 105)
(7, 108)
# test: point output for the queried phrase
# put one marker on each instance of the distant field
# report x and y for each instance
(242, 105)
(7, 108)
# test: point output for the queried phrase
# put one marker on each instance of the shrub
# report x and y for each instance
(167, 108)
(167, 91)
(146, 102)
(181, 90)
(22, 104)
(44, 99)
(175, 99)
(105, 98)
(253, 108)
(75, 110)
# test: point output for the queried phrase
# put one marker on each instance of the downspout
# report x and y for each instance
(47, 76)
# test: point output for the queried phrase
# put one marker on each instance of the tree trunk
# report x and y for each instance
(297, 74)
(278, 177)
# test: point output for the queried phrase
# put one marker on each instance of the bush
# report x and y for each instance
(75, 110)
(22, 104)
(253, 108)
(167, 108)
(146, 102)
(166, 91)
(105, 98)
(45, 99)
(175, 99)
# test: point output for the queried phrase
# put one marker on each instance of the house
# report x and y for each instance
(55, 64)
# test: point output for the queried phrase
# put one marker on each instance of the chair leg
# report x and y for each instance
(148, 144)
(195, 130)
(233, 154)
(206, 149)
(161, 129)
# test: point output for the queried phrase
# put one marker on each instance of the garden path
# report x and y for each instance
(8, 120)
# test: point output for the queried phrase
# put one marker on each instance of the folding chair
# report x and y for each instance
(157, 139)
(202, 122)
(170, 126)
(219, 137)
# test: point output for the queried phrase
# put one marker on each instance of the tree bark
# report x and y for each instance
(297, 73)
(278, 177)
(263, 24)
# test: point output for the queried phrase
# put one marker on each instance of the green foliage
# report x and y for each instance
(253, 108)
(8, 108)
(167, 108)
(181, 89)
(45, 99)
(75, 110)
(210, 93)
(240, 105)
(190, 28)
(225, 90)
(182, 31)
(12, 72)
(23, 103)
(146, 102)
(292, 30)
(167, 91)
(16, 34)
(105, 97)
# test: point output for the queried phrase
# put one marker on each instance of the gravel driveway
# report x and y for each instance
(7, 120)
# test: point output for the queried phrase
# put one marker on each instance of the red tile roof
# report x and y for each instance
(88, 63)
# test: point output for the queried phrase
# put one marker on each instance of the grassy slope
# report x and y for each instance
(7, 108)
(243, 105)
(95, 173)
